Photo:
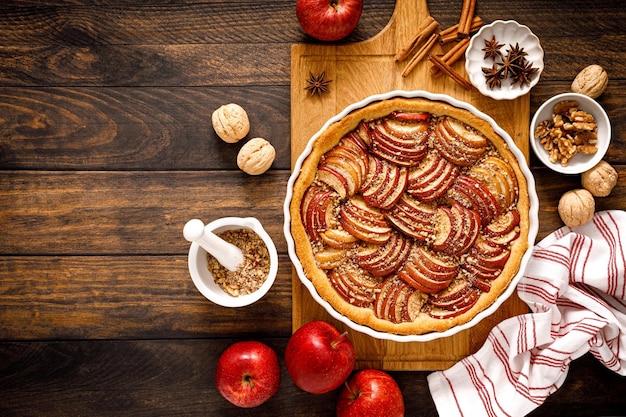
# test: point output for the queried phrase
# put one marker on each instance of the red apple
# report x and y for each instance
(370, 393)
(328, 20)
(248, 373)
(318, 357)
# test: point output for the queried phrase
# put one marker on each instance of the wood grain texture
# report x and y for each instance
(173, 377)
(126, 297)
(106, 149)
(133, 129)
(64, 212)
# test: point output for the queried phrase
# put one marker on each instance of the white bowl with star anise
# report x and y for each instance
(504, 60)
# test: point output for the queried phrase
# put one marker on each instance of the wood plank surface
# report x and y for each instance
(358, 71)
(113, 377)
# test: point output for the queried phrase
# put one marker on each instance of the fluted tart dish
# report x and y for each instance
(410, 215)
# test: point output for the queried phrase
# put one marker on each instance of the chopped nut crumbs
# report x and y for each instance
(252, 273)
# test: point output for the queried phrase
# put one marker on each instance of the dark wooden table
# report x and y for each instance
(107, 149)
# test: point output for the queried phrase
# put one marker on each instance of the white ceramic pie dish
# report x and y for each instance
(532, 233)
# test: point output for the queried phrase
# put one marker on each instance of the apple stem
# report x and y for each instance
(248, 380)
(338, 339)
(353, 394)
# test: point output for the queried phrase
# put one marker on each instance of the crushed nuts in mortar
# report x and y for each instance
(252, 273)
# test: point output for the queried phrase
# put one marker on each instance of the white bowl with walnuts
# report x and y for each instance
(570, 133)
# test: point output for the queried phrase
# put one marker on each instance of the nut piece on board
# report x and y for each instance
(591, 81)
(600, 180)
(230, 122)
(256, 156)
(576, 207)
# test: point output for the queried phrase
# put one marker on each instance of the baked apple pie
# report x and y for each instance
(410, 216)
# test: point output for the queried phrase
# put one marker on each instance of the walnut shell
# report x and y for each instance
(600, 180)
(591, 81)
(256, 156)
(576, 207)
(230, 122)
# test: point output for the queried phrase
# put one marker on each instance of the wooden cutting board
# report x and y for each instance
(357, 71)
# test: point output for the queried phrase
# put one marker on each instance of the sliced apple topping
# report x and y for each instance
(385, 183)
(486, 247)
(413, 132)
(412, 305)
(498, 176)
(354, 285)
(330, 258)
(503, 224)
(364, 222)
(407, 116)
(316, 210)
(398, 302)
(474, 195)
(382, 260)
(432, 177)
(469, 137)
(458, 143)
(338, 238)
(428, 272)
(412, 217)
(344, 167)
(362, 132)
(474, 268)
(457, 299)
(404, 144)
(457, 228)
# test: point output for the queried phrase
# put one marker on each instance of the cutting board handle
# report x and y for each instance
(406, 17)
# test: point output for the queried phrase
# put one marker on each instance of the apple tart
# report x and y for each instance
(410, 215)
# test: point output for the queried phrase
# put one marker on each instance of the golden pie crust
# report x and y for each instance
(429, 311)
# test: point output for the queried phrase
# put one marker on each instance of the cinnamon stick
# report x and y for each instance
(451, 33)
(424, 31)
(420, 54)
(453, 55)
(465, 21)
(450, 72)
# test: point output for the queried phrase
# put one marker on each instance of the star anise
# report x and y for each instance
(492, 48)
(516, 52)
(525, 73)
(510, 65)
(493, 76)
(317, 84)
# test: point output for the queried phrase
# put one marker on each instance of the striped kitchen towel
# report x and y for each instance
(575, 287)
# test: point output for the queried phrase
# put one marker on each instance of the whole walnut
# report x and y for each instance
(256, 156)
(600, 180)
(576, 207)
(591, 81)
(230, 122)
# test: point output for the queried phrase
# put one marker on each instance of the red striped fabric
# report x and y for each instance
(575, 287)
